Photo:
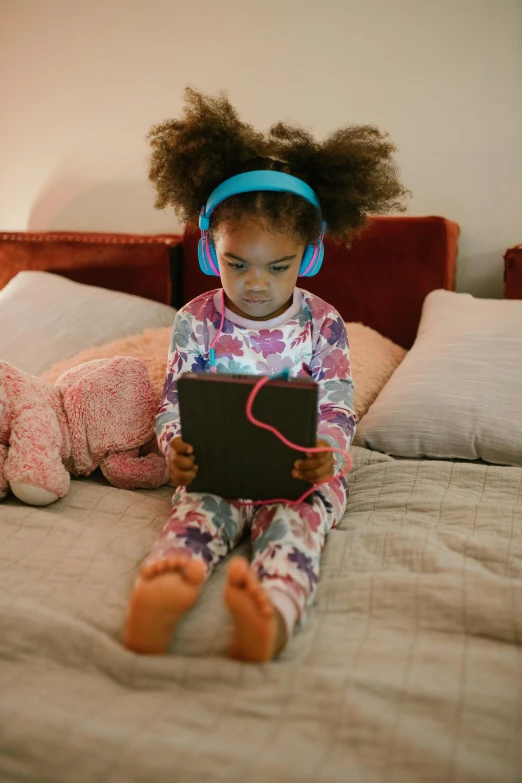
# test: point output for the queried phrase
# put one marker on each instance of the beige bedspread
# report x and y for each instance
(409, 669)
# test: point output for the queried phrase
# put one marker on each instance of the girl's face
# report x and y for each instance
(258, 269)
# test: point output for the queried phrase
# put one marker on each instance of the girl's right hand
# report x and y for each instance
(182, 467)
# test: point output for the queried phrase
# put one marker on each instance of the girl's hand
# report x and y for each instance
(182, 467)
(316, 467)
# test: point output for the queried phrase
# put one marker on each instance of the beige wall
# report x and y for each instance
(82, 81)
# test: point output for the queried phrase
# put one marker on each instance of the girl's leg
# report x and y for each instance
(270, 597)
(201, 530)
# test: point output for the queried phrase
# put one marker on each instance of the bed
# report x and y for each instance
(410, 666)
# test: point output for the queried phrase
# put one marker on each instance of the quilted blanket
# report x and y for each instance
(409, 669)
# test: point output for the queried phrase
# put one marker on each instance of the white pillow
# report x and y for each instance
(45, 318)
(458, 392)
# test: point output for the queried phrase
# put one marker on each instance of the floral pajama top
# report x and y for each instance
(308, 339)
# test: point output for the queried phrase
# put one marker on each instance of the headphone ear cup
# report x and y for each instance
(214, 263)
(312, 260)
(201, 257)
(207, 256)
(319, 260)
(305, 263)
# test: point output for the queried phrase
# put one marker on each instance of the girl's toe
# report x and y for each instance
(195, 572)
(238, 572)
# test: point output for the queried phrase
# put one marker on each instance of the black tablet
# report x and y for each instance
(235, 458)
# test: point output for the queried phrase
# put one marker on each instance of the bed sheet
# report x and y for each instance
(409, 668)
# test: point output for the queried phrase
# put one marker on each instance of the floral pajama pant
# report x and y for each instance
(287, 541)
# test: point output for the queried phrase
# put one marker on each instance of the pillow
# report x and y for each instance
(373, 359)
(152, 346)
(458, 393)
(45, 318)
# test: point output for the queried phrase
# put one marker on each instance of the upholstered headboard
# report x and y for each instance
(381, 280)
(132, 263)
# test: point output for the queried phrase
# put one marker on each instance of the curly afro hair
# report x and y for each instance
(352, 171)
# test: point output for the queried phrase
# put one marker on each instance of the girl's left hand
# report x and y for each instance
(316, 467)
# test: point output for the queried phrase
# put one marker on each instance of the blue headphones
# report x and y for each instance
(245, 183)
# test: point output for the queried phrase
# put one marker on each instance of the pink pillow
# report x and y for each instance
(374, 358)
(152, 346)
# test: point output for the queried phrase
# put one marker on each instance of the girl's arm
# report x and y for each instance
(184, 356)
(331, 370)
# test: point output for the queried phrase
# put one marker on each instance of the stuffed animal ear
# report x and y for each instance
(110, 405)
(4, 486)
(3, 400)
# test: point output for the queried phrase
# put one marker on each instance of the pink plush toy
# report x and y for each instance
(100, 413)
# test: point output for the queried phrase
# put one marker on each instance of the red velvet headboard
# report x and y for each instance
(131, 263)
(382, 280)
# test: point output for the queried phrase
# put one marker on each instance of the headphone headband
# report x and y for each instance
(265, 179)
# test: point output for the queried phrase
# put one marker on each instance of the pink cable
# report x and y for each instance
(314, 450)
(216, 338)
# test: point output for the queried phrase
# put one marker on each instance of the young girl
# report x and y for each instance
(268, 324)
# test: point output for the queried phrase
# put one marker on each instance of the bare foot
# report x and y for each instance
(164, 592)
(259, 630)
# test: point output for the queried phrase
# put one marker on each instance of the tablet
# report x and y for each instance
(236, 459)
